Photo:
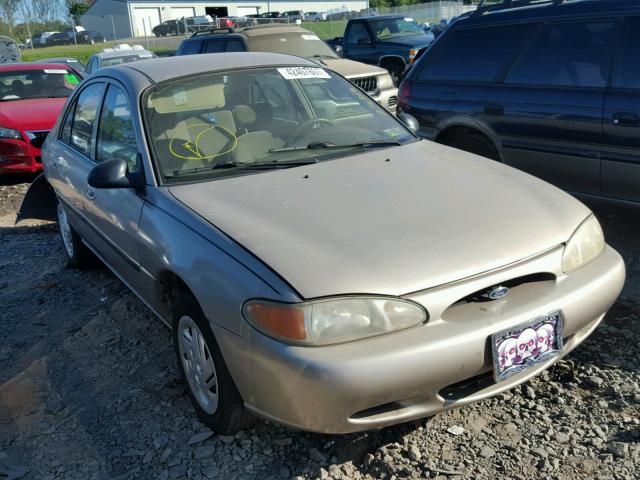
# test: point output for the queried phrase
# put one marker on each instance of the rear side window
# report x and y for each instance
(567, 54)
(475, 54)
(215, 46)
(84, 118)
(190, 48)
(627, 72)
(235, 45)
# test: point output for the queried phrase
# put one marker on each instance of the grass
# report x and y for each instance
(326, 30)
(80, 52)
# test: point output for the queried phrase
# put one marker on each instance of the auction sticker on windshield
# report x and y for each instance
(294, 73)
(58, 71)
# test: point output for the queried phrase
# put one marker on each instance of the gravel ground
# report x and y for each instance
(89, 389)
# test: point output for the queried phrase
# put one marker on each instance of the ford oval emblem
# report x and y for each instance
(498, 292)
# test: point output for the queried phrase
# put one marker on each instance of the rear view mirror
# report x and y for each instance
(112, 174)
(410, 122)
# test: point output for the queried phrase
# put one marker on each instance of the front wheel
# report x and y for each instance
(210, 386)
(78, 255)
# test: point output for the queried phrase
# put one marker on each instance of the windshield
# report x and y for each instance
(395, 27)
(223, 123)
(111, 61)
(45, 83)
(293, 43)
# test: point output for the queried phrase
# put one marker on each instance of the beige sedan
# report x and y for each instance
(320, 266)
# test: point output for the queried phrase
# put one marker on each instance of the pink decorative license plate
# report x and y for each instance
(525, 345)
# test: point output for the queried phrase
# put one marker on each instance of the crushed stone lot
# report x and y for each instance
(89, 389)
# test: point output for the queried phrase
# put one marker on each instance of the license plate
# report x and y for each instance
(525, 345)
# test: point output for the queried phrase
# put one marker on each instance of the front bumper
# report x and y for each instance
(443, 364)
(17, 156)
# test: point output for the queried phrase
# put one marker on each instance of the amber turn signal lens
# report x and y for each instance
(280, 320)
(412, 55)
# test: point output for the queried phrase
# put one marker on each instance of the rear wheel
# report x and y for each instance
(474, 142)
(78, 255)
(210, 386)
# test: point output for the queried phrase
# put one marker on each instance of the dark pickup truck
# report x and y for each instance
(390, 41)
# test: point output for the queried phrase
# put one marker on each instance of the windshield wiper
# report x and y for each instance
(242, 166)
(328, 145)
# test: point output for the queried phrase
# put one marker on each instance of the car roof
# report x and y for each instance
(123, 53)
(161, 69)
(497, 13)
(31, 66)
(382, 17)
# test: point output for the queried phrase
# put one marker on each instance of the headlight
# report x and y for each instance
(586, 243)
(10, 133)
(385, 81)
(333, 320)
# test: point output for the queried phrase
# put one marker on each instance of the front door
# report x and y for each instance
(114, 213)
(621, 122)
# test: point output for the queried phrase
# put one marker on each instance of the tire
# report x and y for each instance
(78, 255)
(205, 369)
(476, 143)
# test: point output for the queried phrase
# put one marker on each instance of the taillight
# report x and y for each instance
(404, 93)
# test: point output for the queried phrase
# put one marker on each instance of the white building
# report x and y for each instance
(134, 18)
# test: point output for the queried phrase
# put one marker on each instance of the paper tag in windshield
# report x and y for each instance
(180, 96)
(56, 70)
(408, 19)
(71, 79)
(145, 55)
(294, 73)
(310, 37)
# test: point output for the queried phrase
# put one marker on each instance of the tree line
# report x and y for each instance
(18, 18)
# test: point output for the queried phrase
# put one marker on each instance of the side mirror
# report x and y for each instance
(38, 141)
(339, 50)
(410, 122)
(112, 174)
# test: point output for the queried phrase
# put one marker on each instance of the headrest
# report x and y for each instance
(245, 115)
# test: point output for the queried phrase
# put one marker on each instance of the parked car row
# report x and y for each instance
(320, 264)
(294, 40)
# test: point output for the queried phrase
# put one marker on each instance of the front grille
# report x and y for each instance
(368, 84)
(393, 101)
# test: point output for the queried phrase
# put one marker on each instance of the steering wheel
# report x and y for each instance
(307, 126)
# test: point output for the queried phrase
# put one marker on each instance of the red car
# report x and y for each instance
(31, 98)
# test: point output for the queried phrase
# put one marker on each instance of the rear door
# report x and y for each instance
(553, 103)
(621, 121)
(69, 158)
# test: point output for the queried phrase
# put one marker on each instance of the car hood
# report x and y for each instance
(351, 69)
(34, 114)
(412, 41)
(391, 221)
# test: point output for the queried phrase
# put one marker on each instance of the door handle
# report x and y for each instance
(493, 109)
(91, 193)
(625, 118)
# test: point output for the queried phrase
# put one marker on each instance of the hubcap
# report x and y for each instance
(65, 230)
(197, 364)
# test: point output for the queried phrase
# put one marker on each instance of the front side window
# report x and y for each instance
(84, 118)
(116, 135)
(223, 124)
(567, 54)
(41, 83)
(358, 35)
(627, 70)
(474, 54)
(389, 28)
